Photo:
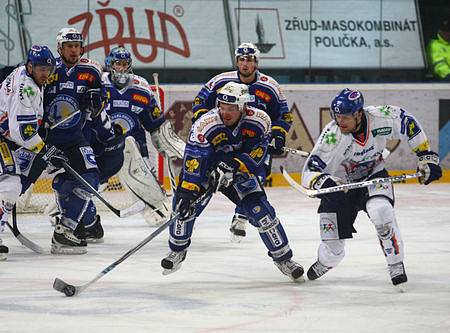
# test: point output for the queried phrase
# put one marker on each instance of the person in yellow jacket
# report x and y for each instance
(438, 51)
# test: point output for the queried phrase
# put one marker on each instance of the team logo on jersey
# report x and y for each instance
(52, 78)
(82, 89)
(201, 138)
(61, 107)
(192, 165)
(256, 153)
(219, 138)
(288, 117)
(385, 110)
(197, 101)
(248, 133)
(27, 131)
(412, 128)
(381, 131)
(85, 77)
(156, 112)
(89, 157)
(28, 92)
(25, 159)
(263, 95)
(124, 120)
(66, 85)
(264, 78)
(118, 103)
(140, 99)
(330, 138)
(250, 112)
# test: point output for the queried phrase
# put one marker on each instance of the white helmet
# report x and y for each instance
(247, 49)
(234, 93)
(68, 35)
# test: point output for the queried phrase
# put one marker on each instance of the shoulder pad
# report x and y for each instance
(91, 63)
(259, 116)
(383, 111)
(225, 76)
(139, 81)
(270, 82)
(330, 137)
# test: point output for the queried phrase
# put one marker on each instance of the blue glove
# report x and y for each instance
(277, 144)
(428, 165)
(55, 158)
(93, 101)
(184, 200)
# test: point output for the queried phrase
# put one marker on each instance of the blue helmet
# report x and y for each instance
(347, 102)
(119, 54)
(41, 55)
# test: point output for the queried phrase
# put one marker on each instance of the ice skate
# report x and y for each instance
(317, 270)
(93, 233)
(292, 269)
(64, 241)
(398, 275)
(3, 251)
(237, 228)
(173, 261)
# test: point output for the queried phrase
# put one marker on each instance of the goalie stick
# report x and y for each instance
(345, 187)
(72, 290)
(173, 183)
(21, 238)
(135, 208)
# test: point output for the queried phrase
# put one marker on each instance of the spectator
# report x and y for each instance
(438, 51)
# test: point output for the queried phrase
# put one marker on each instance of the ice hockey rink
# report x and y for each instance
(226, 287)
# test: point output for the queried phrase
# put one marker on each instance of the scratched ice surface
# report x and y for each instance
(225, 287)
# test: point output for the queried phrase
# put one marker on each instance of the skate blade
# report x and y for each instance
(401, 288)
(55, 249)
(167, 271)
(236, 239)
(95, 240)
(3, 257)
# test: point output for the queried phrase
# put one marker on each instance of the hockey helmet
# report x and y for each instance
(41, 55)
(347, 102)
(120, 66)
(68, 35)
(247, 49)
(234, 93)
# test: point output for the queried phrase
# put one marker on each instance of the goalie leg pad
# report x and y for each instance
(142, 183)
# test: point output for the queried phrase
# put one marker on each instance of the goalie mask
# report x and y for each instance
(120, 66)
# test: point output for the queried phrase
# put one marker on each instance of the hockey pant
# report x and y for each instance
(378, 201)
(249, 194)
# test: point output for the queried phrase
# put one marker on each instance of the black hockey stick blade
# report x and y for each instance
(65, 288)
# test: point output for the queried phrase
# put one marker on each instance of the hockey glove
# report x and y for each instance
(54, 158)
(324, 181)
(277, 144)
(93, 101)
(184, 204)
(226, 169)
(428, 165)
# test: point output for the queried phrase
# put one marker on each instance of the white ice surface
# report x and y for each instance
(225, 287)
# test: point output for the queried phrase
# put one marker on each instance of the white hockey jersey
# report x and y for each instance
(21, 110)
(343, 156)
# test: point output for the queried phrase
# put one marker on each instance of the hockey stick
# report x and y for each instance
(65, 119)
(346, 187)
(135, 208)
(22, 239)
(71, 290)
(296, 151)
(172, 181)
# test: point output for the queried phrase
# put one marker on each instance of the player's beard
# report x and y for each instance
(247, 75)
(71, 60)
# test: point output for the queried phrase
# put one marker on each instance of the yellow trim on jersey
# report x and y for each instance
(279, 128)
(242, 166)
(424, 146)
(200, 111)
(190, 186)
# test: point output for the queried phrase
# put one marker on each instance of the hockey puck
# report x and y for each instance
(69, 290)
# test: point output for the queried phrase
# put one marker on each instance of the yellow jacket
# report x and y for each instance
(438, 52)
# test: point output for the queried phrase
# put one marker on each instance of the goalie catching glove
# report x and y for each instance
(167, 142)
(428, 165)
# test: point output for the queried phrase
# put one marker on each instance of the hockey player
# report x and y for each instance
(232, 138)
(21, 112)
(350, 149)
(74, 94)
(266, 95)
(134, 111)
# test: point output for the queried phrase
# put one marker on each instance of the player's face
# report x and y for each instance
(40, 73)
(247, 67)
(71, 52)
(229, 113)
(121, 66)
(348, 123)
